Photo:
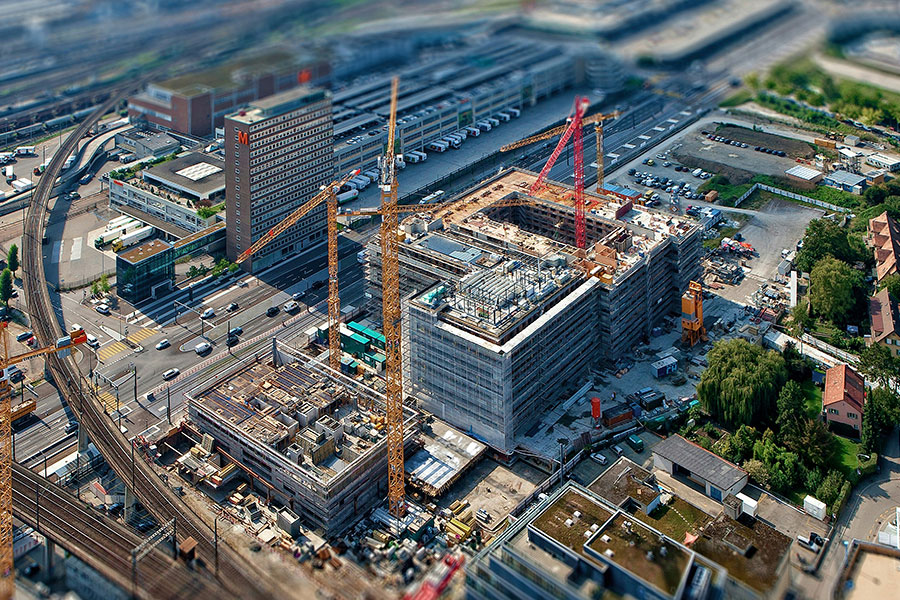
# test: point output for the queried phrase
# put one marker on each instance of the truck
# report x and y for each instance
(22, 185)
(132, 238)
(10, 174)
(636, 443)
(106, 237)
(473, 131)
(26, 151)
(6, 157)
(438, 146)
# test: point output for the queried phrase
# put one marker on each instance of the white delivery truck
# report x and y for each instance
(473, 131)
(503, 117)
(26, 151)
(10, 173)
(438, 146)
(513, 111)
(484, 126)
(132, 238)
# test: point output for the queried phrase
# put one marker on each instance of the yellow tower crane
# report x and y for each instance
(328, 193)
(7, 575)
(596, 120)
(391, 317)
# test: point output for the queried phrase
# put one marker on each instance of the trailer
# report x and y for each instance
(347, 196)
(119, 222)
(22, 185)
(438, 146)
(133, 238)
(10, 173)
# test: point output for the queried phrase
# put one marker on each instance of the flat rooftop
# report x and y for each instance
(278, 104)
(295, 409)
(643, 552)
(144, 251)
(228, 75)
(445, 455)
(198, 174)
(625, 480)
(553, 521)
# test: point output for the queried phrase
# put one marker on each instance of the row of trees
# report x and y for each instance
(6, 277)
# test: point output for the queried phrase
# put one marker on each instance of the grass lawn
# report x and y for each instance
(813, 396)
(675, 519)
(845, 456)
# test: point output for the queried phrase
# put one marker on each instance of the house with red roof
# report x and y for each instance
(883, 317)
(883, 236)
(844, 396)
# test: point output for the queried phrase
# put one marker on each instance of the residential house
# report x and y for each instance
(883, 316)
(844, 397)
(883, 236)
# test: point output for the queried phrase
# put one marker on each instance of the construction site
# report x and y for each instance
(494, 281)
(306, 435)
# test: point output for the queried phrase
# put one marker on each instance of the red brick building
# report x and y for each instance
(196, 103)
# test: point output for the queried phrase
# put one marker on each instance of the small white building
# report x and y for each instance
(681, 458)
(883, 161)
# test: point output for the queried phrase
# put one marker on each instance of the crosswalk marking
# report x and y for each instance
(109, 401)
(107, 352)
(138, 336)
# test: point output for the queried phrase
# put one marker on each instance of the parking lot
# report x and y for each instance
(699, 147)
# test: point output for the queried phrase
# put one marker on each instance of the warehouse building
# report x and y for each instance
(494, 283)
(300, 427)
(677, 456)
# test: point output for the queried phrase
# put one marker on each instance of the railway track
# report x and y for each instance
(105, 544)
(235, 572)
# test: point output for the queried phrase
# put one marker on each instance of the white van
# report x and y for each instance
(513, 111)
(461, 133)
(438, 146)
(202, 348)
(696, 172)
(484, 125)
(494, 122)
(473, 131)
(413, 157)
(503, 117)
(92, 341)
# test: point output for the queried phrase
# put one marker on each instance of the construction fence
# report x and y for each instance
(792, 196)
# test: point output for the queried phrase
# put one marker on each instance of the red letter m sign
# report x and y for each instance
(243, 138)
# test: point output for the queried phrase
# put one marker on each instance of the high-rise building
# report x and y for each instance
(278, 153)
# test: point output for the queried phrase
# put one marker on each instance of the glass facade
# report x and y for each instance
(137, 281)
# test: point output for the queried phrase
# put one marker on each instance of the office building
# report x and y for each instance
(502, 312)
(278, 154)
(145, 271)
(196, 103)
(169, 195)
(299, 427)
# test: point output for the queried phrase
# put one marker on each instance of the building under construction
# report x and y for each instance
(299, 426)
(501, 309)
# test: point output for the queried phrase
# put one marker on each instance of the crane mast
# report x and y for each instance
(391, 317)
(7, 573)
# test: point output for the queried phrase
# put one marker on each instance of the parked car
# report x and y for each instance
(599, 458)
(171, 374)
(202, 348)
(298, 295)
(290, 306)
(24, 336)
(71, 426)
(163, 344)
(103, 309)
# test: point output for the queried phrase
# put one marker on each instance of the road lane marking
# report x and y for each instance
(76, 249)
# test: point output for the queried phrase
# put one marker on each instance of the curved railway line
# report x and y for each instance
(235, 573)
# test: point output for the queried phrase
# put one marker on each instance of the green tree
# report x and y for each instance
(6, 287)
(95, 288)
(814, 479)
(824, 237)
(757, 472)
(800, 318)
(833, 287)
(791, 419)
(797, 366)
(870, 433)
(892, 283)
(877, 363)
(741, 383)
(12, 258)
(830, 488)
(815, 443)
(104, 284)
(742, 442)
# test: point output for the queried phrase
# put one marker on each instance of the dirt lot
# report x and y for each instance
(495, 487)
(739, 165)
(794, 148)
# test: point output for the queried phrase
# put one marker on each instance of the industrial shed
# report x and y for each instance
(684, 459)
